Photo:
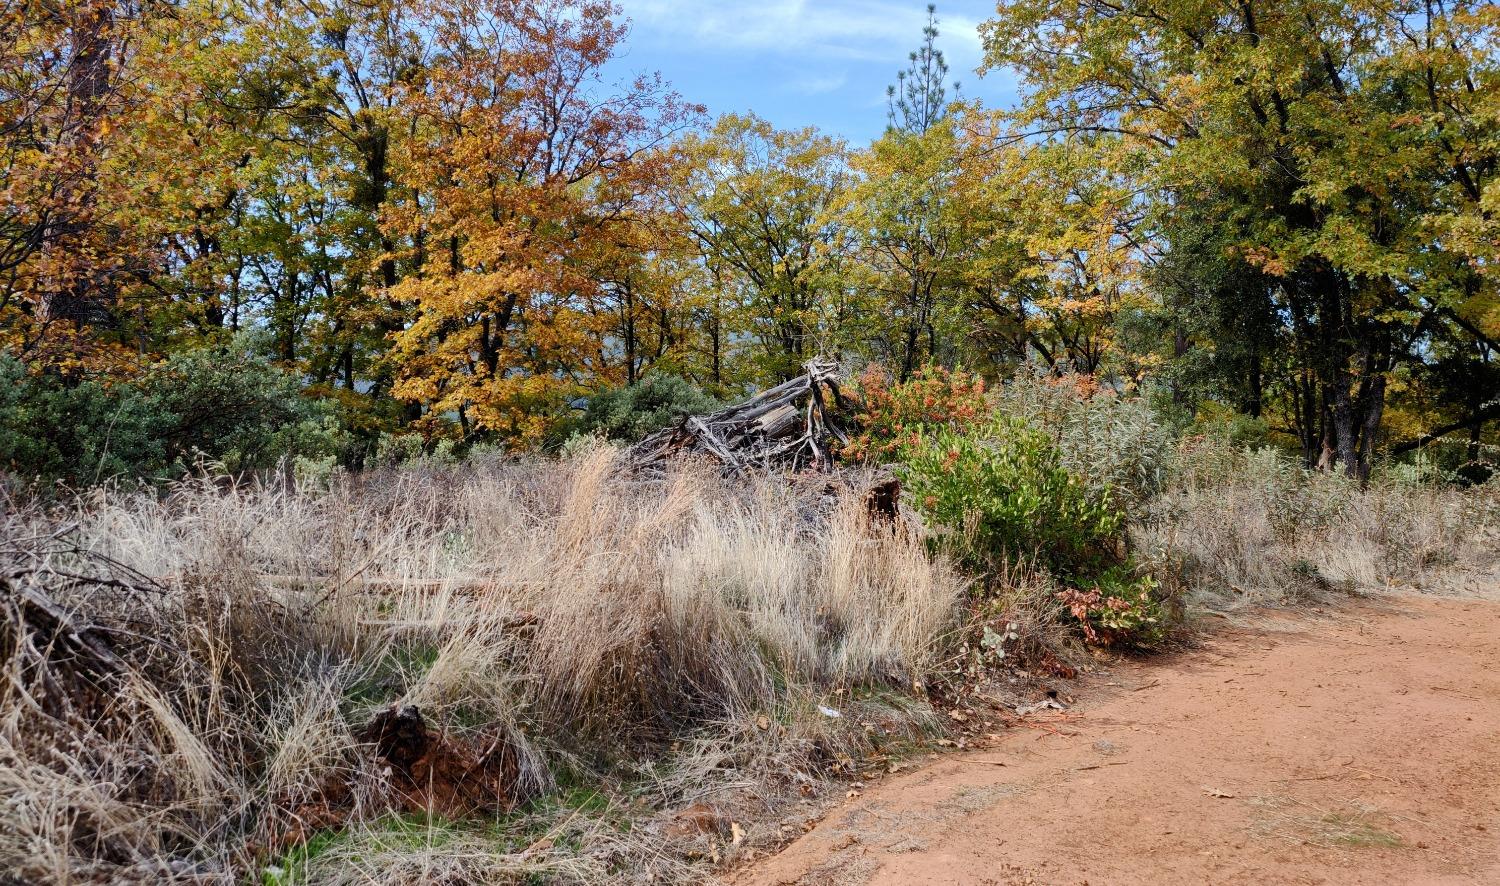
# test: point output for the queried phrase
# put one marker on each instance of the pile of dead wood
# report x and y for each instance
(793, 426)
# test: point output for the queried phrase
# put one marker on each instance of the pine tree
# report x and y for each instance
(919, 98)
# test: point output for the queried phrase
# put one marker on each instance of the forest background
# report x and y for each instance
(350, 229)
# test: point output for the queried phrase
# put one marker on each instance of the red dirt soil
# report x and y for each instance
(1358, 746)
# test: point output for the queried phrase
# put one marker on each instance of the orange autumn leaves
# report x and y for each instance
(896, 415)
(533, 183)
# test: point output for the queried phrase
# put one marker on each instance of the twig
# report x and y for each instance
(1455, 692)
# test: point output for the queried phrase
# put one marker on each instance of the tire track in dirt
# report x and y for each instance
(1362, 746)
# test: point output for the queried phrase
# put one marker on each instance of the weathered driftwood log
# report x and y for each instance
(791, 426)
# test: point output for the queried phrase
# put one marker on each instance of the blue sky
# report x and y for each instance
(802, 62)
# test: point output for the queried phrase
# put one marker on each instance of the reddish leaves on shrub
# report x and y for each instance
(894, 415)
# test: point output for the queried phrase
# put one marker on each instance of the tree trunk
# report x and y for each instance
(1374, 412)
(628, 305)
(1179, 350)
(1327, 441)
(1346, 426)
(1257, 385)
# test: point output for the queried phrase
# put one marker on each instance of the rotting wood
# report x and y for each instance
(57, 628)
(435, 772)
(790, 426)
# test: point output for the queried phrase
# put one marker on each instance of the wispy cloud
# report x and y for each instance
(814, 84)
(865, 30)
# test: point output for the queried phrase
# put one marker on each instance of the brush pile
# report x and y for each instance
(793, 426)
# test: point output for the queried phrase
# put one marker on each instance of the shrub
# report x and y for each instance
(627, 414)
(1114, 443)
(1253, 525)
(1003, 493)
(1046, 473)
(999, 494)
(895, 415)
(412, 449)
(1232, 427)
(235, 408)
(219, 404)
(1120, 607)
(85, 432)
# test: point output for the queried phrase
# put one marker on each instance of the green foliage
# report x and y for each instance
(401, 449)
(81, 433)
(627, 414)
(919, 98)
(1001, 492)
(1231, 428)
(216, 404)
(1320, 172)
(762, 205)
(1289, 208)
(1117, 444)
(1120, 607)
(234, 408)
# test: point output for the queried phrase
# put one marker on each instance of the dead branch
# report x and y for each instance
(788, 426)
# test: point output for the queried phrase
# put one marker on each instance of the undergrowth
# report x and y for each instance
(650, 679)
(681, 641)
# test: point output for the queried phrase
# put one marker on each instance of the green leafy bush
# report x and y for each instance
(1120, 607)
(219, 404)
(81, 433)
(1002, 492)
(627, 414)
(999, 494)
(235, 408)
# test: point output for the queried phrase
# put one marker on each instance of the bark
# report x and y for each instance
(788, 426)
(1257, 384)
(1346, 426)
(1374, 411)
(1327, 442)
(1179, 350)
(627, 293)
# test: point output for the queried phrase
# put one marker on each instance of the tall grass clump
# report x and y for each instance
(560, 623)
(1253, 525)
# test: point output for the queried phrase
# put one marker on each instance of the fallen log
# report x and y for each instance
(56, 629)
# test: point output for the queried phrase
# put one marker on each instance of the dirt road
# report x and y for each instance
(1359, 746)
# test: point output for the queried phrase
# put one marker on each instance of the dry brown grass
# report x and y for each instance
(1253, 527)
(637, 636)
